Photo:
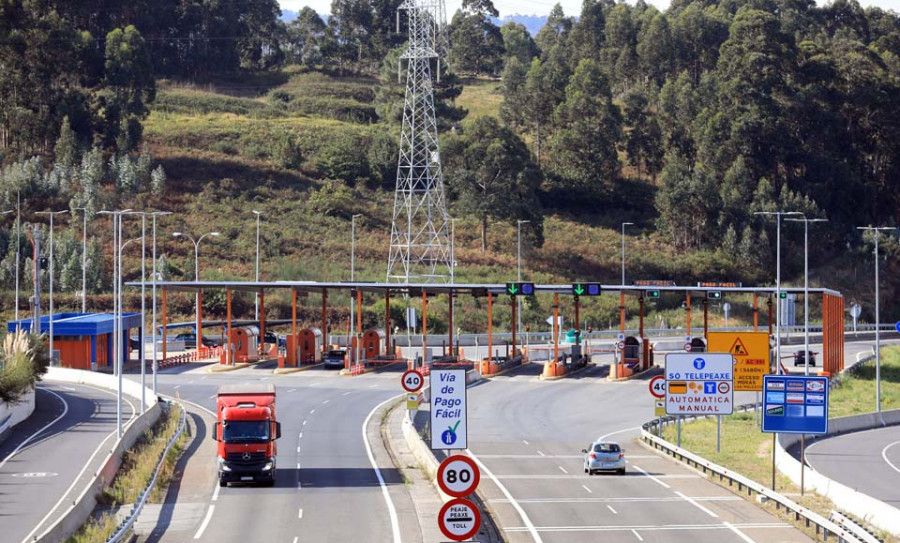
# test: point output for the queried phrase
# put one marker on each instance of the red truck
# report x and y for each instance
(246, 431)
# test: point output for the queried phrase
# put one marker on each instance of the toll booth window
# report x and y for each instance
(245, 431)
(606, 447)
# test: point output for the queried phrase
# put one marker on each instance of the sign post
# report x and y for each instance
(657, 387)
(448, 409)
(699, 383)
(459, 519)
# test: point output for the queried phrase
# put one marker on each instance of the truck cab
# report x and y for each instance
(246, 430)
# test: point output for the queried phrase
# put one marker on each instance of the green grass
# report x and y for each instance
(746, 450)
(481, 97)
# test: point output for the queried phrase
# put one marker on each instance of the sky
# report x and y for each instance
(536, 7)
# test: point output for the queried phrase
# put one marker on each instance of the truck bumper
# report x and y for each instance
(229, 473)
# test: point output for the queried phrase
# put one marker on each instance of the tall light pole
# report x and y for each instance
(806, 222)
(624, 224)
(519, 224)
(83, 258)
(143, 331)
(778, 215)
(18, 251)
(155, 214)
(52, 214)
(197, 271)
(350, 344)
(877, 230)
(122, 314)
(256, 313)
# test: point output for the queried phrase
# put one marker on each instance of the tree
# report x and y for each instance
(491, 173)
(588, 33)
(518, 43)
(514, 108)
(308, 40)
(66, 150)
(656, 50)
(589, 128)
(555, 31)
(476, 44)
(129, 76)
(158, 182)
(643, 143)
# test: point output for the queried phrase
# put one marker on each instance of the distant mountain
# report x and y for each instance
(533, 23)
(288, 15)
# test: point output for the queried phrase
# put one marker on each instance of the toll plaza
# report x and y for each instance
(567, 352)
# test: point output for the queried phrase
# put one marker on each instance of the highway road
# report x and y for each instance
(72, 426)
(866, 461)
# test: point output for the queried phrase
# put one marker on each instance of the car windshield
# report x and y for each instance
(606, 448)
(245, 431)
(336, 353)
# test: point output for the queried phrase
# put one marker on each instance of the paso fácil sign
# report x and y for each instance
(458, 476)
(448, 409)
(459, 519)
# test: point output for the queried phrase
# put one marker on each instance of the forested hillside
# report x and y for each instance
(685, 122)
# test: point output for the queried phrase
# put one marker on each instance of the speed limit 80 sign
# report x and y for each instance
(412, 381)
(458, 476)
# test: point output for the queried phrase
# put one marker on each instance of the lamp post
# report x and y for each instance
(519, 224)
(143, 335)
(257, 213)
(806, 222)
(18, 251)
(197, 273)
(51, 213)
(778, 215)
(155, 214)
(83, 258)
(624, 224)
(877, 230)
(351, 347)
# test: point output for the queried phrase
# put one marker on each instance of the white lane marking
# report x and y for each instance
(298, 449)
(667, 499)
(300, 515)
(637, 535)
(300, 436)
(216, 493)
(740, 534)
(28, 439)
(296, 539)
(588, 489)
(395, 522)
(525, 442)
(292, 390)
(177, 387)
(373, 386)
(562, 469)
(611, 509)
(651, 476)
(326, 401)
(542, 454)
(209, 514)
(313, 411)
(304, 423)
(604, 436)
(213, 397)
(345, 393)
(653, 528)
(528, 525)
(884, 455)
(697, 505)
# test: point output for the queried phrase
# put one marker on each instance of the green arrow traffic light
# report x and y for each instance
(714, 295)
(578, 289)
(512, 288)
(652, 294)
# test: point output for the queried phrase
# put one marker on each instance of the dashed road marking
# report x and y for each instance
(542, 454)
(588, 489)
(313, 411)
(300, 514)
(209, 514)
(562, 469)
(652, 477)
(614, 512)
(637, 535)
(697, 505)
(740, 534)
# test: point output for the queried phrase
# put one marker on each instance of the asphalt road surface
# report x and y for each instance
(46, 454)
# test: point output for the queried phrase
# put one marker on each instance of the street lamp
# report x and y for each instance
(350, 346)
(624, 224)
(806, 222)
(153, 332)
(257, 213)
(877, 230)
(197, 274)
(778, 215)
(143, 336)
(51, 213)
(83, 258)
(519, 224)
(18, 252)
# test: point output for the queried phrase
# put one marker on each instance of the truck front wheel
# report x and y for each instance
(223, 483)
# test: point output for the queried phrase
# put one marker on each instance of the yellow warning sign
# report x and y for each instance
(659, 408)
(751, 356)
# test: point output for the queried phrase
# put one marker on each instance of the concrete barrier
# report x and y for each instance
(71, 519)
(875, 512)
(12, 414)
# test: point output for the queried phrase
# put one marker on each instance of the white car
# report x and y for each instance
(604, 456)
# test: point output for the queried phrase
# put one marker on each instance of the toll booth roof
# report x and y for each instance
(267, 388)
(78, 324)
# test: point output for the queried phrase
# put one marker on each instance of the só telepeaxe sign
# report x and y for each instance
(448, 409)
(699, 383)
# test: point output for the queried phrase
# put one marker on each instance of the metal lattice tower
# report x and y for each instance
(420, 242)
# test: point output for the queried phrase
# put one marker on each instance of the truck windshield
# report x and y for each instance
(245, 431)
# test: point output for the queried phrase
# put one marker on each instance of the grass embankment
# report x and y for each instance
(136, 471)
(748, 451)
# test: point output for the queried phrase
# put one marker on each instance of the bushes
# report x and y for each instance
(343, 158)
(23, 360)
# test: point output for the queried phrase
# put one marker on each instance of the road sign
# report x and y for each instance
(688, 347)
(658, 386)
(520, 289)
(620, 345)
(459, 519)
(411, 319)
(795, 405)
(897, 326)
(586, 289)
(699, 383)
(659, 408)
(620, 337)
(559, 320)
(449, 429)
(412, 402)
(651, 293)
(458, 476)
(751, 356)
(714, 295)
(412, 381)
(856, 311)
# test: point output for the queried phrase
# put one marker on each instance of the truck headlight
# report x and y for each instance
(222, 465)
(269, 465)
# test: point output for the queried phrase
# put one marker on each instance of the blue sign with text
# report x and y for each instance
(795, 405)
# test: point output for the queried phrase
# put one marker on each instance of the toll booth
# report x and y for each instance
(372, 343)
(698, 345)
(304, 348)
(243, 344)
(631, 354)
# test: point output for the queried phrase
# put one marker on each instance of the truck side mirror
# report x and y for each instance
(277, 430)
(215, 431)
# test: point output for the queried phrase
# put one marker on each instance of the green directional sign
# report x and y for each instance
(784, 295)
(651, 294)
(586, 289)
(714, 295)
(520, 289)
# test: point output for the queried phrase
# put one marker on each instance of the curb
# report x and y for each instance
(282, 371)
(632, 376)
(219, 368)
(507, 370)
(576, 372)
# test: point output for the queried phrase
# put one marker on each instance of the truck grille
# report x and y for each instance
(246, 458)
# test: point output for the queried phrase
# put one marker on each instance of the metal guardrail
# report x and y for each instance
(859, 531)
(126, 525)
(824, 526)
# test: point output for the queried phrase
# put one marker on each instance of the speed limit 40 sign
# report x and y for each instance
(458, 476)
(412, 381)
(658, 386)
